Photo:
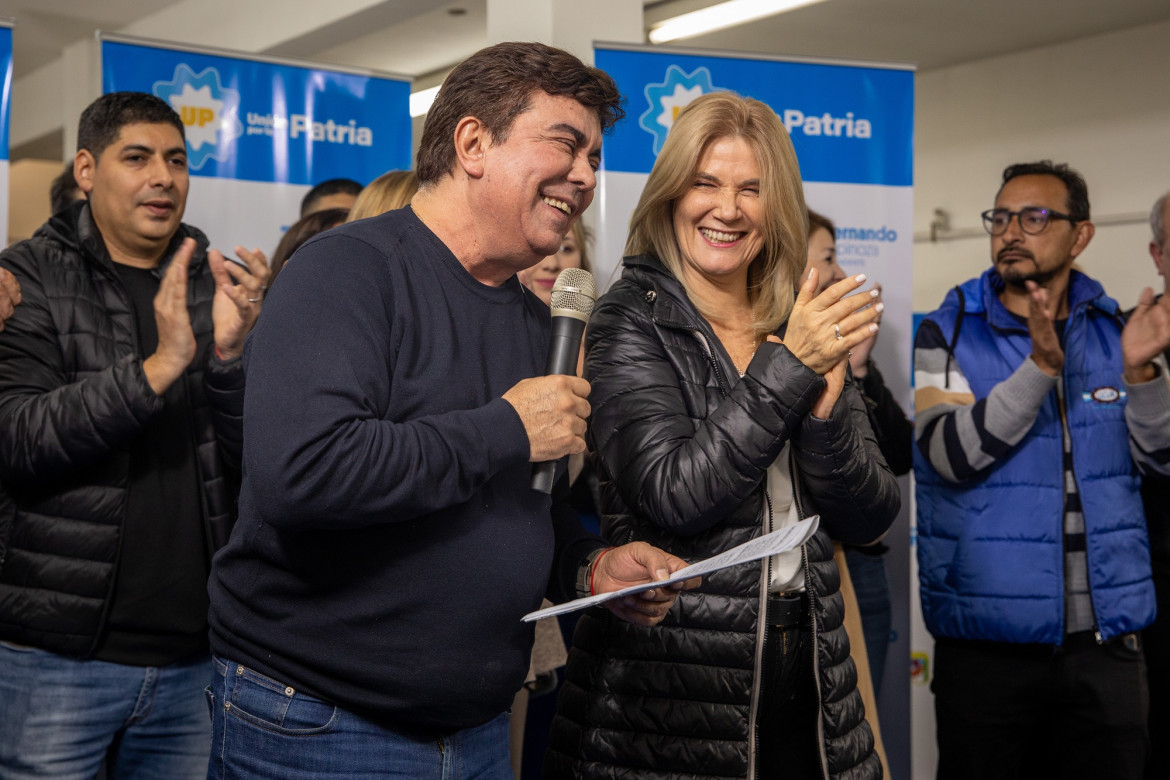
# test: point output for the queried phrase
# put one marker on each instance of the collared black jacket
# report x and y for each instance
(683, 448)
(73, 396)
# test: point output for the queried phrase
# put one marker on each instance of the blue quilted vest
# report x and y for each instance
(990, 550)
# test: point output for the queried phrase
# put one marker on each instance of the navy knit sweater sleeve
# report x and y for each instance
(388, 541)
(331, 414)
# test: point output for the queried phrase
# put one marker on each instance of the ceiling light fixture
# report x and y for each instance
(719, 17)
(420, 102)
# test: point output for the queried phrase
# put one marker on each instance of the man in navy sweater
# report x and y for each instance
(366, 612)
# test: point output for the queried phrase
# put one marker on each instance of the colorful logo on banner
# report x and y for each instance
(210, 112)
(669, 98)
(919, 668)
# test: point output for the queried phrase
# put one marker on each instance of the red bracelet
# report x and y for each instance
(219, 354)
(593, 569)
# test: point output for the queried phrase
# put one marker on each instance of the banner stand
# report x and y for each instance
(5, 121)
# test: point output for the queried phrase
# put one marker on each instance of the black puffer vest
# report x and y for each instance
(72, 398)
(684, 450)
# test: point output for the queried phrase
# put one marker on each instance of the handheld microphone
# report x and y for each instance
(573, 295)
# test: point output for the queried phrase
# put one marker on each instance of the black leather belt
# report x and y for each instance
(788, 611)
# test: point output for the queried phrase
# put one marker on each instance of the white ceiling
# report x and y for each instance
(930, 33)
(44, 27)
(422, 38)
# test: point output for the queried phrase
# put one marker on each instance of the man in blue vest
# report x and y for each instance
(1038, 407)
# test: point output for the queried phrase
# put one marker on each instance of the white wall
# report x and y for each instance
(1097, 103)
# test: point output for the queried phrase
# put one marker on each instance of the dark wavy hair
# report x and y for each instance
(818, 221)
(104, 118)
(1078, 191)
(495, 85)
(301, 231)
(327, 188)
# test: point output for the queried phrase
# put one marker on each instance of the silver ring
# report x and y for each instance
(256, 300)
(837, 330)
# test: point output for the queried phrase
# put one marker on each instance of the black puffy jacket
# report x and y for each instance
(684, 450)
(73, 396)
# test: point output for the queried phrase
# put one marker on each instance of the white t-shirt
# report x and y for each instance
(787, 571)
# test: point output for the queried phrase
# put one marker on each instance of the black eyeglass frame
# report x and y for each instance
(1049, 215)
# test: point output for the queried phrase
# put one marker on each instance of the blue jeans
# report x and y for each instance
(61, 717)
(263, 728)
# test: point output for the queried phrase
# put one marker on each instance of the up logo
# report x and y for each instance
(671, 97)
(195, 115)
(210, 113)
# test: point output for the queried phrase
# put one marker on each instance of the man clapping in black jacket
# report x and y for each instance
(121, 390)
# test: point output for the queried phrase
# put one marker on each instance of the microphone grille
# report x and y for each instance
(574, 291)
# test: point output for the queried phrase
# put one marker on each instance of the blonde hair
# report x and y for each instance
(582, 236)
(392, 190)
(775, 273)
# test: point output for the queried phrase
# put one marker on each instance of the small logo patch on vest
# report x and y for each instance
(1105, 396)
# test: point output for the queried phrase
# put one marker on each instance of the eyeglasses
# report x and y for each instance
(1033, 220)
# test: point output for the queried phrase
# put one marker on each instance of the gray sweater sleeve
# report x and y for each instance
(962, 436)
(1147, 414)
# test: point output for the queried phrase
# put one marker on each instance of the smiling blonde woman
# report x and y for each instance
(721, 411)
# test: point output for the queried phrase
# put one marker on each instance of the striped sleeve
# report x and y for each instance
(1147, 415)
(959, 435)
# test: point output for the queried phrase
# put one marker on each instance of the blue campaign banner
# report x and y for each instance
(6, 95)
(849, 124)
(266, 122)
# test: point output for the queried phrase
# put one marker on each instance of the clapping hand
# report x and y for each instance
(239, 293)
(1046, 351)
(859, 358)
(9, 295)
(1146, 335)
(823, 329)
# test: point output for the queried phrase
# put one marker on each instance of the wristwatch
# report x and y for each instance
(583, 572)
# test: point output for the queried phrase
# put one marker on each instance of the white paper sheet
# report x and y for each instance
(778, 541)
